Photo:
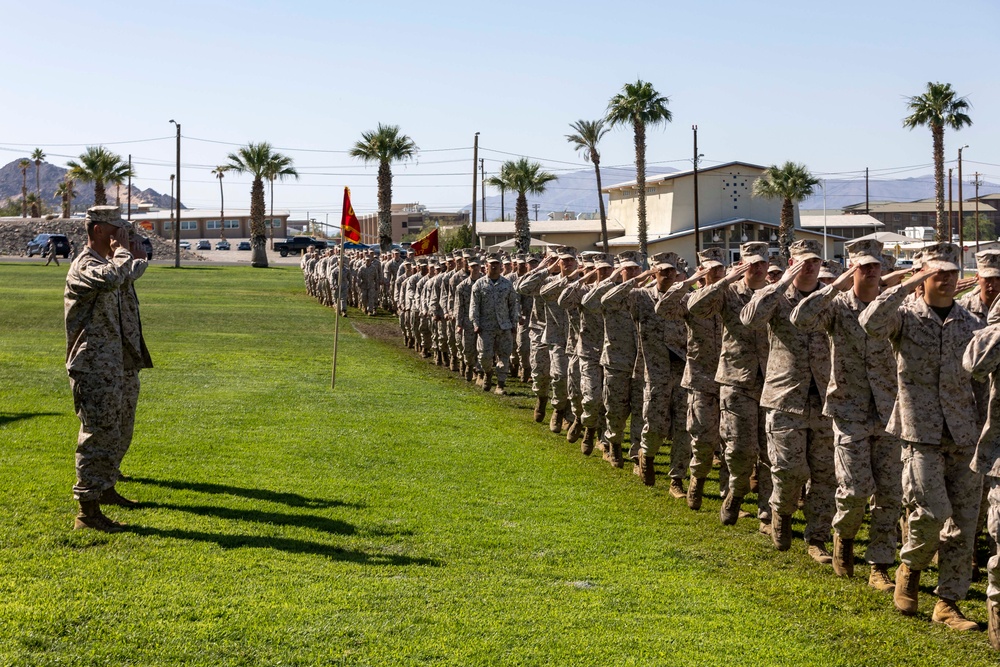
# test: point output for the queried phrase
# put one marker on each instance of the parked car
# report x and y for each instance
(39, 245)
(295, 245)
(222, 245)
(203, 245)
(186, 245)
(904, 264)
(244, 245)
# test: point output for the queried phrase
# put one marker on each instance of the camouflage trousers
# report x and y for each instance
(617, 396)
(636, 422)
(452, 337)
(591, 388)
(130, 400)
(97, 398)
(440, 335)
(522, 347)
(742, 429)
(937, 485)
(801, 450)
(559, 370)
(469, 345)
(703, 427)
(426, 333)
(993, 525)
(573, 387)
(540, 378)
(404, 323)
(657, 416)
(869, 468)
(495, 344)
(680, 439)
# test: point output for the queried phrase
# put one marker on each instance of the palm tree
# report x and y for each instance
(525, 178)
(500, 181)
(119, 176)
(66, 193)
(790, 183)
(38, 156)
(34, 204)
(24, 164)
(219, 172)
(97, 165)
(938, 108)
(280, 168)
(384, 145)
(639, 105)
(588, 134)
(256, 160)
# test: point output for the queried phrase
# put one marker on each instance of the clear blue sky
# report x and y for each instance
(764, 81)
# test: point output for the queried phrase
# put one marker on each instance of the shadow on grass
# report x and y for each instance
(290, 499)
(277, 518)
(11, 417)
(285, 544)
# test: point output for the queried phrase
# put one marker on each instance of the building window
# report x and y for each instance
(650, 191)
(896, 217)
(273, 222)
(914, 217)
(189, 224)
(212, 224)
(168, 226)
(232, 224)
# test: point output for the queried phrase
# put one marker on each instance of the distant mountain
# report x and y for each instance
(841, 193)
(573, 191)
(50, 176)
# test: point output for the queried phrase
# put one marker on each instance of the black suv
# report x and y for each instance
(39, 245)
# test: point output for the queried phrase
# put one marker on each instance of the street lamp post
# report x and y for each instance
(961, 220)
(177, 201)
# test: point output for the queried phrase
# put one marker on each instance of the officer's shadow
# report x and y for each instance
(290, 499)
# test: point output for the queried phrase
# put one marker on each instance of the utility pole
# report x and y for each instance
(951, 219)
(129, 193)
(961, 220)
(482, 179)
(977, 212)
(177, 200)
(697, 234)
(867, 209)
(475, 162)
(536, 207)
(173, 223)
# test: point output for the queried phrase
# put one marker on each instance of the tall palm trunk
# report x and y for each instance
(596, 159)
(640, 181)
(937, 135)
(222, 211)
(100, 196)
(118, 195)
(522, 231)
(270, 223)
(502, 190)
(785, 227)
(24, 193)
(38, 187)
(258, 240)
(384, 207)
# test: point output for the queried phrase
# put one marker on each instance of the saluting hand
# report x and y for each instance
(845, 280)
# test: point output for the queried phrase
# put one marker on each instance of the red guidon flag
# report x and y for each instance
(427, 245)
(350, 228)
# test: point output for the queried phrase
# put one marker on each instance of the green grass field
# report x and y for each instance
(405, 518)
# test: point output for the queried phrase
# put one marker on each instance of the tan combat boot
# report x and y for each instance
(647, 469)
(907, 588)
(112, 497)
(879, 578)
(817, 551)
(501, 389)
(90, 516)
(993, 624)
(843, 557)
(696, 488)
(540, 404)
(947, 613)
(613, 455)
(587, 446)
(781, 532)
(730, 510)
(488, 382)
(574, 432)
(556, 423)
(677, 489)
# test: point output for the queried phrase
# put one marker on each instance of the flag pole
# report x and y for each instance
(336, 307)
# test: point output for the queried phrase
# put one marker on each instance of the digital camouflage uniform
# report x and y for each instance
(932, 416)
(859, 399)
(588, 350)
(799, 435)
(741, 367)
(94, 361)
(529, 285)
(494, 309)
(135, 355)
